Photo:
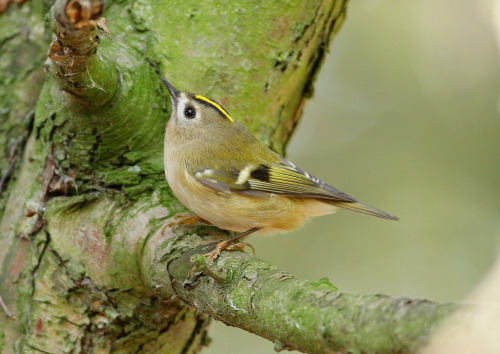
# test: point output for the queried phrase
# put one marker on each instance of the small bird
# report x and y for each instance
(225, 175)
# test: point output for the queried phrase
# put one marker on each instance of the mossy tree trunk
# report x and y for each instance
(86, 264)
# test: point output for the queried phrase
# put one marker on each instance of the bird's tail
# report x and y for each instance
(365, 209)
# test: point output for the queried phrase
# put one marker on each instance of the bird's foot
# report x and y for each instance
(184, 219)
(187, 219)
(227, 246)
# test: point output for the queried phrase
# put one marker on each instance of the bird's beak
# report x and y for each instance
(173, 91)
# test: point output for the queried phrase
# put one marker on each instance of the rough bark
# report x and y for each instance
(85, 265)
(314, 317)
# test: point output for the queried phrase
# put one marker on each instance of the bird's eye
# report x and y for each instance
(189, 112)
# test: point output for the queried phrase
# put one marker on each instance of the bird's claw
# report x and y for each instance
(226, 246)
(184, 219)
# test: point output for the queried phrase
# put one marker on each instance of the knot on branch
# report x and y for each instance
(73, 61)
(84, 13)
(74, 25)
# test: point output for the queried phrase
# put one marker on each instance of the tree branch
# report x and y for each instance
(238, 289)
(252, 294)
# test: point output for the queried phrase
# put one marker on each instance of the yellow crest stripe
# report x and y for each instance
(216, 105)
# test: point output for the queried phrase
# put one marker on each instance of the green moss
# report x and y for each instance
(83, 314)
(274, 50)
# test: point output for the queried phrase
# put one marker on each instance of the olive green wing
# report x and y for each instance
(276, 177)
(285, 178)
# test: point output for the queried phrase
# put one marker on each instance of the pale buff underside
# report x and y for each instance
(231, 211)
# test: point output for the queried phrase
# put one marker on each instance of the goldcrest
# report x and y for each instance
(225, 175)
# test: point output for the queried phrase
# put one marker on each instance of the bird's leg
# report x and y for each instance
(228, 246)
(184, 219)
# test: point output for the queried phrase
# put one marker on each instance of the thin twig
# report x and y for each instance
(5, 308)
